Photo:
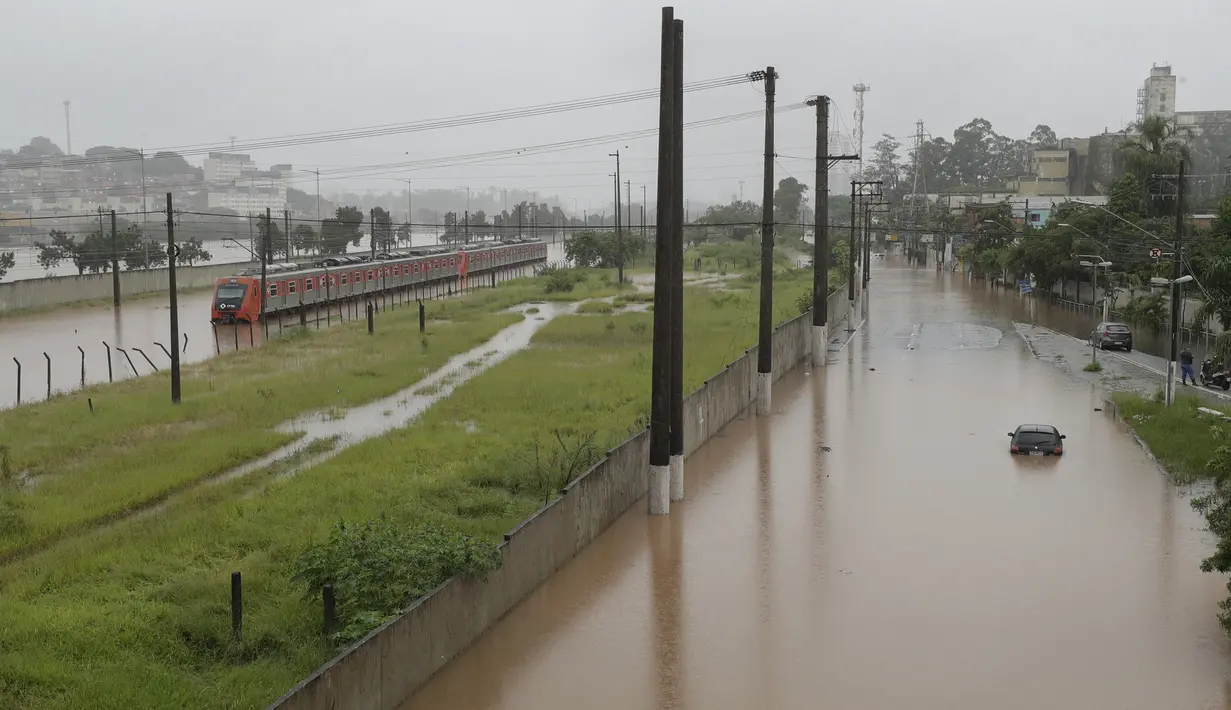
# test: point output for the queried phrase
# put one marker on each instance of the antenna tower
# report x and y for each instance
(920, 177)
(860, 90)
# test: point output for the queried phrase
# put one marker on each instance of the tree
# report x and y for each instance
(335, 236)
(403, 234)
(139, 252)
(382, 229)
(885, 165)
(739, 220)
(599, 249)
(351, 219)
(303, 237)
(191, 252)
(788, 198)
(7, 261)
(1157, 150)
(1043, 137)
(277, 240)
(62, 246)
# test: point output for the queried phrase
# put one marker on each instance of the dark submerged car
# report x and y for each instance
(1036, 440)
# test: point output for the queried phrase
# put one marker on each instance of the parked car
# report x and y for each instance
(1112, 335)
(1036, 440)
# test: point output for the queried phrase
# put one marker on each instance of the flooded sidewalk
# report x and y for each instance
(873, 545)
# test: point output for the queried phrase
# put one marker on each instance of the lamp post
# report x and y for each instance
(1094, 267)
(1177, 292)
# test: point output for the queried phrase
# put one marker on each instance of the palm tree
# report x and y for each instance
(1158, 146)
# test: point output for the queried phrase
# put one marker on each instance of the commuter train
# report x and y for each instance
(293, 285)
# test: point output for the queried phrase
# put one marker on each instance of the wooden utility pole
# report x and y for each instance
(659, 491)
(1177, 270)
(765, 355)
(820, 237)
(173, 253)
(677, 265)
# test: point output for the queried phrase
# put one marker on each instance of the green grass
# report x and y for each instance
(136, 615)
(1093, 366)
(596, 307)
(137, 447)
(1182, 439)
(731, 257)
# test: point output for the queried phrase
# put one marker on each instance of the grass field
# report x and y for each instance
(1182, 439)
(136, 615)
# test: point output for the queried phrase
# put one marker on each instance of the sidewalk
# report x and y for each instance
(1122, 372)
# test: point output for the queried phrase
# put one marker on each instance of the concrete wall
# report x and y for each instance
(55, 290)
(387, 666)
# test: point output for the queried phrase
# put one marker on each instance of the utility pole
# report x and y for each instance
(643, 231)
(286, 232)
(850, 273)
(765, 337)
(173, 252)
(628, 184)
(677, 264)
(619, 236)
(1177, 271)
(410, 217)
(659, 488)
(115, 257)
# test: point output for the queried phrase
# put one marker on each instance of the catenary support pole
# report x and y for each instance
(854, 254)
(115, 263)
(173, 253)
(765, 354)
(820, 237)
(658, 493)
(264, 264)
(677, 267)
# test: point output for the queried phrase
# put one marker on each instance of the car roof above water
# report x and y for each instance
(1042, 428)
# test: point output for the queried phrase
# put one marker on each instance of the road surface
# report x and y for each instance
(873, 545)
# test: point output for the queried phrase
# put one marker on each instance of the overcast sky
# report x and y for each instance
(156, 74)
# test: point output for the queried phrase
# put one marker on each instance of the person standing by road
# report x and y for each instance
(1186, 367)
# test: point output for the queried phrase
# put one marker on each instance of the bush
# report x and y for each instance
(1149, 310)
(378, 568)
(560, 280)
(804, 302)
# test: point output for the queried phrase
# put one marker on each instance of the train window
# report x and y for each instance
(273, 289)
(290, 286)
(370, 277)
(358, 276)
(397, 270)
(343, 279)
(309, 283)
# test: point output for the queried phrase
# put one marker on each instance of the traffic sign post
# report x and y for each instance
(1156, 253)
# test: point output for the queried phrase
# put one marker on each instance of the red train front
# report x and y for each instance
(236, 298)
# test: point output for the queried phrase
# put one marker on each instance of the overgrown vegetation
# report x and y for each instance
(1093, 366)
(378, 567)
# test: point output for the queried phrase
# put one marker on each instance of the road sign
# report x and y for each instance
(1025, 287)
(1156, 253)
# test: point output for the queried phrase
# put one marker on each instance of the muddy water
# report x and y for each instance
(913, 564)
(141, 323)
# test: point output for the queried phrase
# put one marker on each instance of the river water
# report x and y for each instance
(873, 545)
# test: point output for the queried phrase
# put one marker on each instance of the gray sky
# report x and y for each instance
(155, 74)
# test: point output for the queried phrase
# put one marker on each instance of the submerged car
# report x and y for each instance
(1036, 440)
(1112, 335)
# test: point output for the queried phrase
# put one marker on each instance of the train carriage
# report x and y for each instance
(290, 286)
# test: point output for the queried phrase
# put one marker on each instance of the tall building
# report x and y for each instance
(1156, 97)
(225, 167)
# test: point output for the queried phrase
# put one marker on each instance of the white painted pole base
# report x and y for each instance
(660, 489)
(1169, 385)
(677, 477)
(820, 344)
(765, 381)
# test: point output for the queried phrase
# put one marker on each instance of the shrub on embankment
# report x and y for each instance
(136, 615)
(1192, 447)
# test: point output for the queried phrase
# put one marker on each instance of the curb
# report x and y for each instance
(1111, 409)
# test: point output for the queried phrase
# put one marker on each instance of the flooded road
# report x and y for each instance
(873, 545)
(141, 323)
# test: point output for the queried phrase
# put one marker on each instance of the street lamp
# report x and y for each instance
(1176, 293)
(1082, 233)
(1134, 225)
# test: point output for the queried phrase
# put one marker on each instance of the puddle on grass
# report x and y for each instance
(324, 433)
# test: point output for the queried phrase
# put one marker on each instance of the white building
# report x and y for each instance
(1156, 97)
(226, 167)
(249, 200)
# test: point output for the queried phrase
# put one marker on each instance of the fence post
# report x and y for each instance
(48, 359)
(422, 318)
(237, 607)
(130, 362)
(164, 349)
(147, 359)
(18, 379)
(330, 608)
(109, 377)
(82, 351)
(371, 323)
(185, 348)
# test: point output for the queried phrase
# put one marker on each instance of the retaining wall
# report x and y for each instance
(55, 290)
(386, 667)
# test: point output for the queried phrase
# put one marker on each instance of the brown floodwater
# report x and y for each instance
(873, 545)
